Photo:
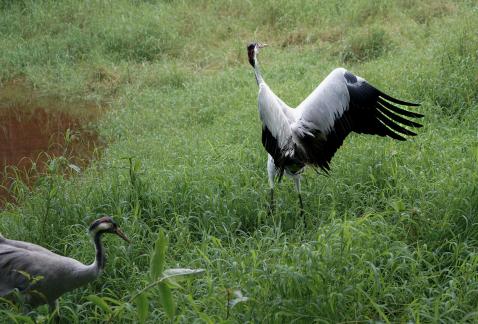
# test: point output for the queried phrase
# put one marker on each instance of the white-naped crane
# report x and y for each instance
(311, 133)
(42, 276)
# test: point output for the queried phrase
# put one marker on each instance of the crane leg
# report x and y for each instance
(271, 203)
(271, 172)
(301, 204)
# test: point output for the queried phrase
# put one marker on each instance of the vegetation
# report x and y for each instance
(391, 234)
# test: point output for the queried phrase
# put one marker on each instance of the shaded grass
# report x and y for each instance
(391, 233)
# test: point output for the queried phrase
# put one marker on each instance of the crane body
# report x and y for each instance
(310, 134)
(42, 276)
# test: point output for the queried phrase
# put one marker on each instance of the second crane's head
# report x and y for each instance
(106, 225)
(252, 51)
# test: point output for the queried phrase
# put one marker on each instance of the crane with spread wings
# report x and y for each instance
(311, 133)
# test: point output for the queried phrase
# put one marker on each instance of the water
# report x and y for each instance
(35, 128)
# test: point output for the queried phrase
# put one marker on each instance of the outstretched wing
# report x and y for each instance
(343, 103)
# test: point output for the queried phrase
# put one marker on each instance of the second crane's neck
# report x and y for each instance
(100, 252)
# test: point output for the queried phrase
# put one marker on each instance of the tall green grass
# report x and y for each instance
(391, 234)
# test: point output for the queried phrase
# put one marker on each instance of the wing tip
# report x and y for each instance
(398, 110)
(397, 101)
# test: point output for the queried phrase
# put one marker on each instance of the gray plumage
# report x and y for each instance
(42, 276)
(311, 133)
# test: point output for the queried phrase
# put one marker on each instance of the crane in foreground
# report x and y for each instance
(311, 133)
(42, 276)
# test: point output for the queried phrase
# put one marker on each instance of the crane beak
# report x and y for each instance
(122, 235)
(262, 45)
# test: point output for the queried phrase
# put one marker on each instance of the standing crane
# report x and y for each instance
(311, 133)
(42, 276)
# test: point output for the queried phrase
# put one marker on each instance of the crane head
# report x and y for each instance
(106, 225)
(252, 51)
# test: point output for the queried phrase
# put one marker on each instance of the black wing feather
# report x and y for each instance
(272, 147)
(397, 101)
(373, 114)
(397, 118)
(393, 125)
(368, 113)
(399, 110)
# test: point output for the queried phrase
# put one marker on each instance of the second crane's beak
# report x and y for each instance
(121, 234)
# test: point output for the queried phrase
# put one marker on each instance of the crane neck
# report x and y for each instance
(100, 259)
(257, 71)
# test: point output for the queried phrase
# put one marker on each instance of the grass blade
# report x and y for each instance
(159, 255)
(98, 301)
(167, 300)
(142, 307)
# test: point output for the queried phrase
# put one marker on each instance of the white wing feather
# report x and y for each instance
(323, 106)
(275, 115)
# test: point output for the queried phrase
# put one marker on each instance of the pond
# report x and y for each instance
(35, 128)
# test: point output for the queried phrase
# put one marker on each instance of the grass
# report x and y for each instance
(391, 234)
